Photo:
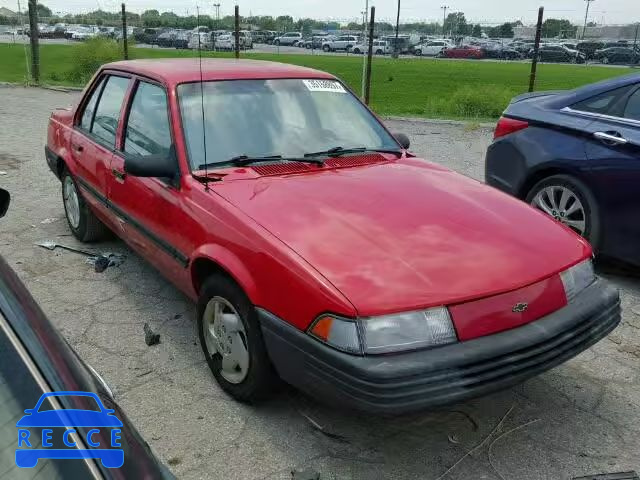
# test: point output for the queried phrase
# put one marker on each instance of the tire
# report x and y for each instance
(417, 52)
(258, 379)
(379, 52)
(592, 231)
(276, 42)
(326, 48)
(82, 222)
(356, 51)
(348, 48)
(605, 60)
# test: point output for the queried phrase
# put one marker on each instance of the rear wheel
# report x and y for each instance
(356, 51)
(231, 340)
(326, 48)
(276, 42)
(570, 202)
(84, 225)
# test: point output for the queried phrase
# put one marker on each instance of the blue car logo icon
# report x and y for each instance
(69, 419)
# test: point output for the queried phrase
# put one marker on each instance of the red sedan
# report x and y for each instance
(465, 51)
(317, 247)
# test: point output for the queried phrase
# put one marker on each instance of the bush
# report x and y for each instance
(90, 56)
(473, 102)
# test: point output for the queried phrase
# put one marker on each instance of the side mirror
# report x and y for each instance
(403, 140)
(161, 165)
(5, 200)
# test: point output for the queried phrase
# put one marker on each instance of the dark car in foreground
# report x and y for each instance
(35, 362)
(575, 155)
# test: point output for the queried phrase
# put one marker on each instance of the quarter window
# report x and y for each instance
(87, 115)
(105, 123)
(607, 103)
(148, 125)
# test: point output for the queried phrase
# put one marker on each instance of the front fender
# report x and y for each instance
(230, 263)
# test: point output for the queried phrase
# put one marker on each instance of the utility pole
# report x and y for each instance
(395, 45)
(217, 7)
(35, 47)
(536, 50)
(586, 15)
(237, 31)
(635, 42)
(364, 36)
(444, 17)
(124, 33)
(367, 90)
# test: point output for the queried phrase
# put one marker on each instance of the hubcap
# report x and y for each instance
(71, 202)
(563, 205)
(225, 335)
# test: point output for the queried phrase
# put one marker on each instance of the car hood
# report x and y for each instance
(407, 234)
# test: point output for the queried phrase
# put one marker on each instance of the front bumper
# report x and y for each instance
(411, 381)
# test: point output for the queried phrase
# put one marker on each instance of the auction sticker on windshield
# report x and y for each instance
(324, 86)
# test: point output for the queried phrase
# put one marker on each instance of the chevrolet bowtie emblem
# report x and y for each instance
(520, 307)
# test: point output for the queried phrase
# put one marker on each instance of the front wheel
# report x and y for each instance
(356, 51)
(83, 223)
(231, 340)
(417, 52)
(276, 43)
(326, 48)
(569, 201)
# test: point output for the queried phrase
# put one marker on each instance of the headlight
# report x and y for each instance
(388, 333)
(577, 278)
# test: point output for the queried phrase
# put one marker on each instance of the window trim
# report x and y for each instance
(600, 116)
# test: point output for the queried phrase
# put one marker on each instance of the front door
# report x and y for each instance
(149, 210)
(93, 140)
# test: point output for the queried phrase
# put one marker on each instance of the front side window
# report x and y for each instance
(147, 130)
(105, 123)
(274, 117)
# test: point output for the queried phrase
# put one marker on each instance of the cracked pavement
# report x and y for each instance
(585, 414)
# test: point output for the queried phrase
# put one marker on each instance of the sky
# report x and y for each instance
(476, 11)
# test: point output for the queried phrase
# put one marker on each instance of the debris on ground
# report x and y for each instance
(305, 475)
(453, 439)
(611, 476)
(102, 262)
(49, 245)
(2, 172)
(150, 337)
(321, 429)
(46, 221)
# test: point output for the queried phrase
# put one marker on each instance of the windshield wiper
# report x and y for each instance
(242, 160)
(337, 151)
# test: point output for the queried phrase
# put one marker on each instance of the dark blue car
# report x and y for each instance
(575, 155)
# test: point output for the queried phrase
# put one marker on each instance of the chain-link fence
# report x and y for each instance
(453, 67)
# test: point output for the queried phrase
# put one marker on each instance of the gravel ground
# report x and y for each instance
(585, 414)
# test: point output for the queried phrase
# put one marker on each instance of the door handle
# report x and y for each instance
(118, 174)
(77, 148)
(615, 138)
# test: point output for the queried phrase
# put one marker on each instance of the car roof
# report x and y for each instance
(172, 71)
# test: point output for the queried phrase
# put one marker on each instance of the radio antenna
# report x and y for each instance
(204, 131)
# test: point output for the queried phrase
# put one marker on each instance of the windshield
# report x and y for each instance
(275, 117)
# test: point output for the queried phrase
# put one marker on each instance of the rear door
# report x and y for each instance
(613, 147)
(93, 139)
(149, 210)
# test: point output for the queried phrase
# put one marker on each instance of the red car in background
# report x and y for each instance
(317, 247)
(465, 51)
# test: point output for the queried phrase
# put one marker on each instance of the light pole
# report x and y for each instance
(586, 15)
(444, 17)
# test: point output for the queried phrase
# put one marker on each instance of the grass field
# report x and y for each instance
(409, 87)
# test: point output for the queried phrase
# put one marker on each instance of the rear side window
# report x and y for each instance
(90, 107)
(105, 123)
(632, 109)
(148, 125)
(607, 103)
